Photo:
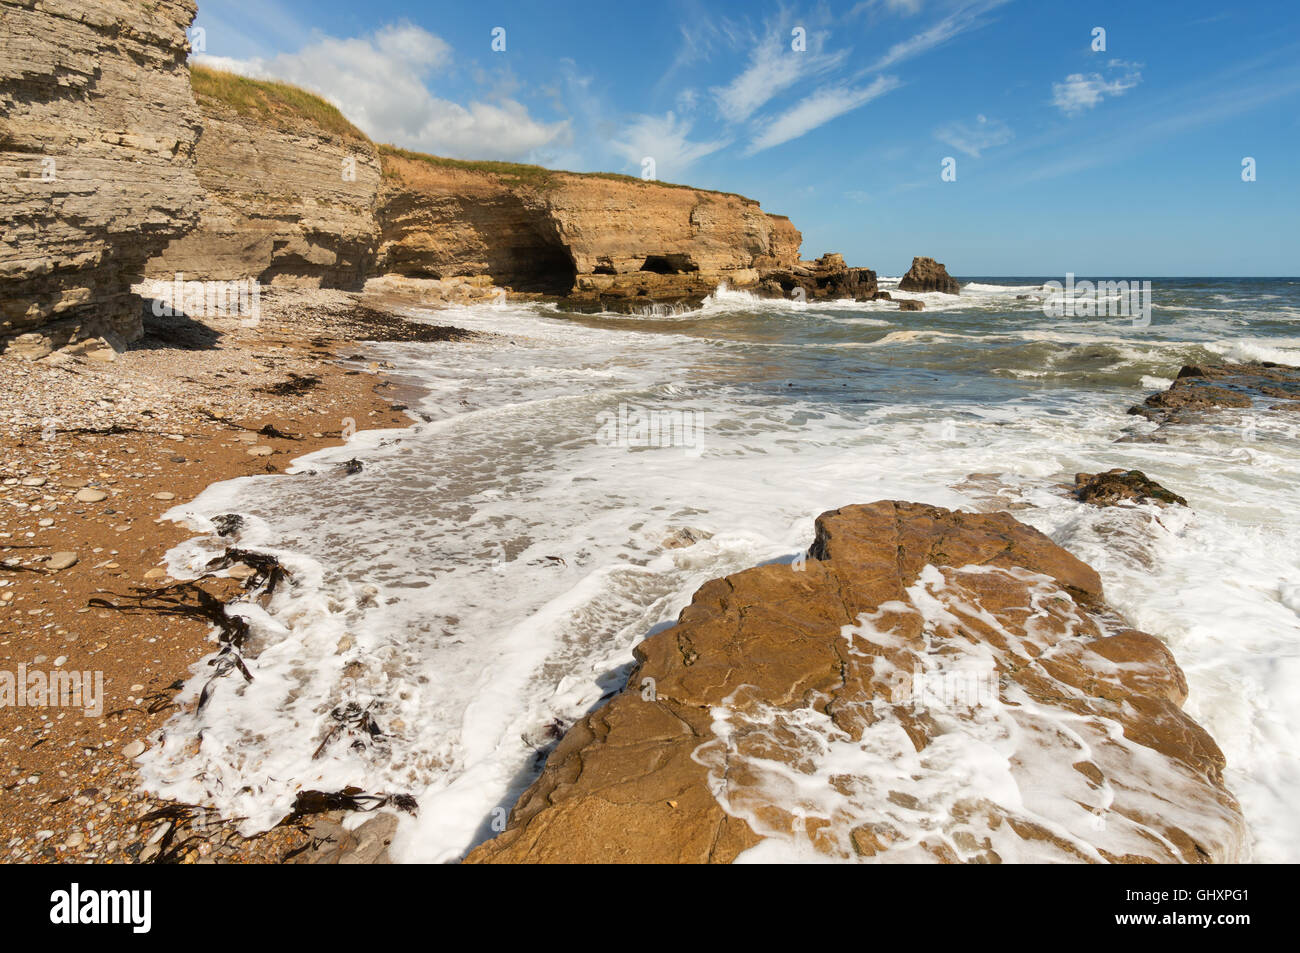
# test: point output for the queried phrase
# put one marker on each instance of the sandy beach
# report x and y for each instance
(95, 451)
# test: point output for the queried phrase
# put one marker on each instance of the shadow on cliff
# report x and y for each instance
(177, 331)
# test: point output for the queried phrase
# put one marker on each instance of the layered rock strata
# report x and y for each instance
(927, 686)
(826, 277)
(600, 241)
(290, 200)
(97, 133)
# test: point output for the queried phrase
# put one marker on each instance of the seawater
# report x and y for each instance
(480, 584)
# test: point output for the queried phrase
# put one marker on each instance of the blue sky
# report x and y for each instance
(1125, 161)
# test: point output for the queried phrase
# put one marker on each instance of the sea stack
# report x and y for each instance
(926, 274)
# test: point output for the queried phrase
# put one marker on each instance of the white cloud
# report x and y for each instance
(773, 67)
(906, 8)
(1084, 91)
(381, 83)
(666, 140)
(816, 110)
(958, 22)
(974, 138)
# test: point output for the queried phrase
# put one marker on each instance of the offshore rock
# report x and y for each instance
(926, 274)
(1119, 485)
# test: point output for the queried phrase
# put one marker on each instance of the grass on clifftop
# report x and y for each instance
(518, 173)
(270, 101)
(287, 105)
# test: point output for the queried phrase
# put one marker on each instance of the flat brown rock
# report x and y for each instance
(1206, 387)
(927, 686)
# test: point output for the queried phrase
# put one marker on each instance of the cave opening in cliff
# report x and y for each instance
(670, 264)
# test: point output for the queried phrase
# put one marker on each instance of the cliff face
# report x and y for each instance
(291, 193)
(593, 237)
(928, 686)
(97, 134)
(444, 221)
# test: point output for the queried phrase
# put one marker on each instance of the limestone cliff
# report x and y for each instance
(593, 237)
(97, 134)
(291, 188)
(928, 686)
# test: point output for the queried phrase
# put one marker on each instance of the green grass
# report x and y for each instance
(287, 105)
(517, 172)
(521, 174)
(279, 103)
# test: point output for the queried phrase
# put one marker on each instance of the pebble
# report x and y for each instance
(134, 749)
(164, 496)
(34, 481)
(241, 571)
(62, 560)
(262, 451)
(89, 495)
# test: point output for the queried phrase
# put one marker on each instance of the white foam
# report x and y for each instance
(424, 585)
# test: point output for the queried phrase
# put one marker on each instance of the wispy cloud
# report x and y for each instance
(905, 8)
(961, 20)
(1082, 91)
(816, 110)
(974, 138)
(666, 140)
(1217, 99)
(381, 82)
(773, 68)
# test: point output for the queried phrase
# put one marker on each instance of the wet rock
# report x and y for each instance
(926, 274)
(227, 524)
(828, 277)
(683, 537)
(1200, 388)
(241, 571)
(910, 304)
(822, 710)
(332, 843)
(1118, 485)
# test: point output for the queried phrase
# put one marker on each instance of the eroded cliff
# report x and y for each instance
(291, 186)
(596, 238)
(97, 134)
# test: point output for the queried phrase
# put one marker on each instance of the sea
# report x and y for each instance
(480, 583)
